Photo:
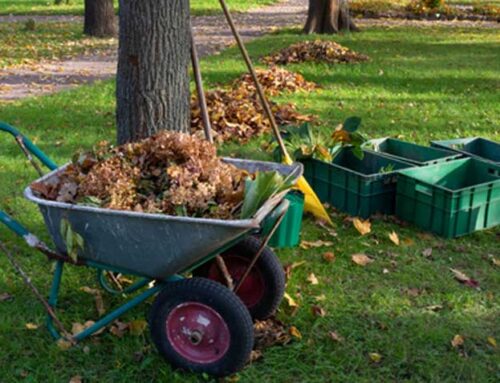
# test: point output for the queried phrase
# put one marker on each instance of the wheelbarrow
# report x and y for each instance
(210, 276)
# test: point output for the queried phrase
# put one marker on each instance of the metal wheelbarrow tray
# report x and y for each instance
(152, 245)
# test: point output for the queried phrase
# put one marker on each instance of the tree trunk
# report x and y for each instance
(99, 18)
(152, 85)
(328, 16)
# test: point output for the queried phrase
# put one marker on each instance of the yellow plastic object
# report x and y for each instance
(312, 204)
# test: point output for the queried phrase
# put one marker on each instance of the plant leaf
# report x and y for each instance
(352, 124)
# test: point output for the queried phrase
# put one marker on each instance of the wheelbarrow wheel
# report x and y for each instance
(263, 289)
(201, 326)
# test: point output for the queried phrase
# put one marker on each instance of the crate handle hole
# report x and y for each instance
(424, 189)
(494, 172)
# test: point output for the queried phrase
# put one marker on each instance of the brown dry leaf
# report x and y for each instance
(291, 302)
(320, 298)
(375, 357)
(315, 244)
(434, 308)
(76, 379)
(31, 326)
(413, 292)
(137, 327)
(492, 341)
(361, 259)
(335, 337)
(99, 302)
(255, 355)
(408, 242)
(119, 328)
(294, 265)
(464, 279)
(494, 260)
(312, 279)
(394, 238)
(457, 341)
(427, 253)
(6, 297)
(364, 227)
(318, 311)
(77, 328)
(329, 256)
(63, 344)
(269, 333)
(295, 332)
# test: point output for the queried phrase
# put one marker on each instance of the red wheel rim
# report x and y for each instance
(253, 288)
(198, 333)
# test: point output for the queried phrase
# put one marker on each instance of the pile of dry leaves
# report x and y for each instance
(275, 81)
(237, 114)
(170, 173)
(315, 51)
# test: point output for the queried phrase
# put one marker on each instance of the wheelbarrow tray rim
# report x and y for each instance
(252, 223)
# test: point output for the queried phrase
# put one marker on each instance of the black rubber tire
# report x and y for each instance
(220, 299)
(271, 269)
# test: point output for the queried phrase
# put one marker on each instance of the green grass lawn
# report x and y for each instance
(75, 7)
(423, 84)
(49, 41)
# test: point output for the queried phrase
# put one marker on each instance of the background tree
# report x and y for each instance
(99, 18)
(328, 16)
(152, 85)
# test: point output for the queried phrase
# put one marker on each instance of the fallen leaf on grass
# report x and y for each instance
(63, 344)
(269, 333)
(291, 302)
(99, 302)
(394, 238)
(375, 357)
(76, 379)
(318, 311)
(361, 259)
(335, 337)
(312, 279)
(434, 308)
(31, 326)
(137, 327)
(427, 253)
(408, 242)
(320, 298)
(6, 297)
(314, 244)
(492, 341)
(464, 279)
(329, 256)
(295, 332)
(457, 341)
(364, 227)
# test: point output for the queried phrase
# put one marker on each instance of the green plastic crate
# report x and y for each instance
(477, 147)
(288, 232)
(450, 199)
(410, 152)
(355, 186)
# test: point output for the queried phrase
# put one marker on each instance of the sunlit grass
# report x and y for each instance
(424, 84)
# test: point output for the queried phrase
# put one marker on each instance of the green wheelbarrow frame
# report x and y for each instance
(154, 285)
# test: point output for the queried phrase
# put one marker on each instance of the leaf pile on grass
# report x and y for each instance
(170, 173)
(237, 114)
(315, 51)
(275, 81)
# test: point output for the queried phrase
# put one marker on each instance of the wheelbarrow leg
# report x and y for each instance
(54, 292)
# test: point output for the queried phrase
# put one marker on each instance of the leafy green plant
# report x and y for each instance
(387, 169)
(258, 190)
(72, 239)
(301, 142)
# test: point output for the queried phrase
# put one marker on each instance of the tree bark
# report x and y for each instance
(152, 85)
(99, 20)
(328, 17)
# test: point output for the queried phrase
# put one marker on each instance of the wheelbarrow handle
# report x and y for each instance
(30, 146)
